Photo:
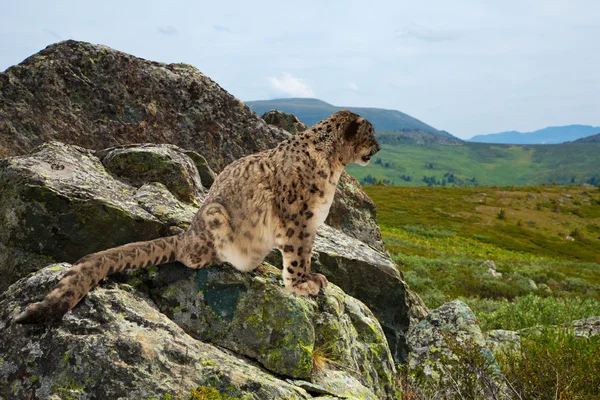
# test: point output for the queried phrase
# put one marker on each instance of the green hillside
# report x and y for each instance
(407, 163)
(311, 111)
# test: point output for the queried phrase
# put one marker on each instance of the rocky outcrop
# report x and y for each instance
(97, 97)
(116, 344)
(285, 121)
(60, 204)
(450, 335)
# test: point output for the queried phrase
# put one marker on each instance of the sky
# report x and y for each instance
(468, 67)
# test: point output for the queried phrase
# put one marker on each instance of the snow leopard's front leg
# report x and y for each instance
(297, 276)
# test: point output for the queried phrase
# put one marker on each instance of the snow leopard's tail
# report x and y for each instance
(89, 270)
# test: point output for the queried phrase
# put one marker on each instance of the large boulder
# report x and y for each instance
(116, 345)
(97, 97)
(252, 314)
(60, 204)
(447, 348)
(285, 121)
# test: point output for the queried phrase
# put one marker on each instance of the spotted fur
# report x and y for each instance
(273, 199)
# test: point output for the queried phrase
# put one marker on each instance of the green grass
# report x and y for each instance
(554, 364)
(482, 164)
(443, 240)
(440, 237)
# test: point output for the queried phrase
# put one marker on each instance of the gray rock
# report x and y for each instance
(60, 204)
(532, 284)
(432, 344)
(489, 264)
(75, 208)
(283, 120)
(371, 277)
(116, 344)
(253, 315)
(97, 97)
(167, 164)
(494, 273)
(207, 175)
(502, 340)
(587, 327)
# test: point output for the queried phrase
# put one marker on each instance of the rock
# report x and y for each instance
(285, 121)
(60, 204)
(569, 238)
(545, 288)
(207, 175)
(97, 97)
(587, 327)
(61, 215)
(116, 344)
(502, 340)
(531, 196)
(532, 284)
(353, 212)
(371, 277)
(489, 264)
(253, 315)
(169, 165)
(432, 345)
(494, 273)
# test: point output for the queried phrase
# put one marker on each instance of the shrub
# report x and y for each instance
(553, 364)
(501, 214)
(532, 310)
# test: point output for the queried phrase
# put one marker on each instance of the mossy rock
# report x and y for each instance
(166, 164)
(116, 344)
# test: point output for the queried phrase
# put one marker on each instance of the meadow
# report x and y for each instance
(520, 257)
(404, 162)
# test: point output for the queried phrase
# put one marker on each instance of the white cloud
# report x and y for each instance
(289, 85)
(352, 86)
(167, 30)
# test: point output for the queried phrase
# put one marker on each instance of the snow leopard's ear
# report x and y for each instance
(352, 128)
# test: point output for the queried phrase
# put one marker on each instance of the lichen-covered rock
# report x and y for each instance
(503, 340)
(97, 97)
(60, 204)
(370, 276)
(353, 212)
(207, 175)
(155, 198)
(283, 120)
(116, 344)
(252, 314)
(167, 164)
(446, 335)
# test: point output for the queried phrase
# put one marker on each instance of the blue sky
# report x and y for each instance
(468, 67)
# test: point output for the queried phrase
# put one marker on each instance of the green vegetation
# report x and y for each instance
(520, 258)
(554, 364)
(408, 163)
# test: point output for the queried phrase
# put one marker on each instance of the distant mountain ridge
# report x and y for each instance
(549, 135)
(589, 139)
(311, 111)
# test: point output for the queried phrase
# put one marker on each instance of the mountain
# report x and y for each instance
(311, 111)
(550, 135)
(589, 139)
